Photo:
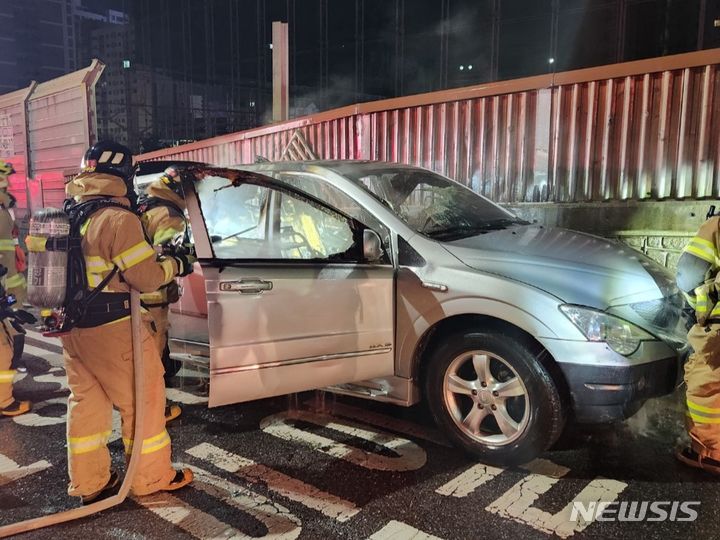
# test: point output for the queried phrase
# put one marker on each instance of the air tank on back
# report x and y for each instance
(47, 269)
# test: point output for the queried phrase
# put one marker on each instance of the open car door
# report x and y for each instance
(300, 296)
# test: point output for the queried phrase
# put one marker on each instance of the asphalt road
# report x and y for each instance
(318, 466)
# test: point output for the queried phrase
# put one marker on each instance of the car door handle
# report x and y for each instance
(246, 286)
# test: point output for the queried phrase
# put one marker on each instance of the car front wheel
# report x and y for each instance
(492, 397)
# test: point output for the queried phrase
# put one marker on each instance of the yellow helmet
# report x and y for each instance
(6, 168)
(171, 179)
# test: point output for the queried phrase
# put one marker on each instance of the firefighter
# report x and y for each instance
(699, 279)
(98, 351)
(14, 285)
(162, 211)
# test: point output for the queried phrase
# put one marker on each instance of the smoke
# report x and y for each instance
(660, 419)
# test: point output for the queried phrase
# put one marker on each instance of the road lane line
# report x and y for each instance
(467, 482)
(409, 456)
(404, 427)
(35, 419)
(291, 488)
(281, 524)
(396, 530)
(11, 471)
(37, 336)
(55, 375)
(55, 359)
(517, 503)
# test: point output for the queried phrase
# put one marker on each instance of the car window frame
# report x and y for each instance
(254, 178)
(323, 180)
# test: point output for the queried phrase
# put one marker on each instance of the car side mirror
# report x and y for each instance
(215, 239)
(372, 246)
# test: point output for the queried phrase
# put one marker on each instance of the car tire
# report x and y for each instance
(527, 402)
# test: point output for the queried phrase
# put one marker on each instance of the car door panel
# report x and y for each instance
(316, 326)
(279, 323)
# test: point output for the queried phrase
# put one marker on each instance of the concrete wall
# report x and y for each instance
(660, 229)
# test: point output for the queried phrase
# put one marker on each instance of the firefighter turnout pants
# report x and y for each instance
(702, 377)
(99, 364)
(7, 374)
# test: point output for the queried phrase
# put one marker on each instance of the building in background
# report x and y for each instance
(181, 70)
(37, 41)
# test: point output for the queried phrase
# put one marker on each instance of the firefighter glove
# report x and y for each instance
(185, 263)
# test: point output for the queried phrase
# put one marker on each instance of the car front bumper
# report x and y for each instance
(607, 387)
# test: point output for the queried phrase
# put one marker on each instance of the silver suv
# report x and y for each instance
(394, 283)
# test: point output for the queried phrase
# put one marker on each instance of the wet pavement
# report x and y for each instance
(318, 466)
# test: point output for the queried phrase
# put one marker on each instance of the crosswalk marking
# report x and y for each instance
(53, 358)
(409, 456)
(11, 471)
(35, 419)
(281, 524)
(39, 337)
(517, 502)
(291, 488)
(464, 484)
(396, 530)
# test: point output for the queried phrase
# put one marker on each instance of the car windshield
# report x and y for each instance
(432, 204)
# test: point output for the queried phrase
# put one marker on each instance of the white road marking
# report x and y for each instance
(396, 530)
(280, 523)
(291, 488)
(35, 419)
(54, 375)
(11, 471)
(55, 359)
(405, 427)
(517, 502)
(39, 337)
(467, 482)
(186, 398)
(410, 456)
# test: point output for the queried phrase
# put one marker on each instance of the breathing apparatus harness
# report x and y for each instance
(83, 307)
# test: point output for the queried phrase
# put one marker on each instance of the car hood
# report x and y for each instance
(575, 267)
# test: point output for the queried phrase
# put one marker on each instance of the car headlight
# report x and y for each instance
(621, 336)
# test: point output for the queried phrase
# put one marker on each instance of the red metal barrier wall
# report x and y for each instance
(645, 130)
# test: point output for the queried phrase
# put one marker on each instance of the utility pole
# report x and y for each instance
(280, 71)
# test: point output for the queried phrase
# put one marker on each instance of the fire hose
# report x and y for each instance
(84, 511)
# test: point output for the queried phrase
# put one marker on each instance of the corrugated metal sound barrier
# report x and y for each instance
(644, 130)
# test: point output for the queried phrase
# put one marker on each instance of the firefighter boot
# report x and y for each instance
(172, 412)
(16, 408)
(691, 458)
(182, 478)
(103, 493)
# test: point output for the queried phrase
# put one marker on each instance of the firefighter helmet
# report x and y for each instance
(171, 178)
(110, 158)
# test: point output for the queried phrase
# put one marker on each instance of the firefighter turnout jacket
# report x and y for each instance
(14, 281)
(697, 277)
(164, 221)
(98, 357)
